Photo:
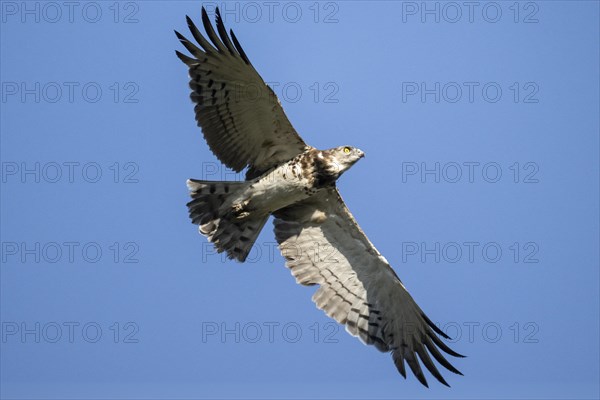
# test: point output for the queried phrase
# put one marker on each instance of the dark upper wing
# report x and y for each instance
(324, 245)
(241, 117)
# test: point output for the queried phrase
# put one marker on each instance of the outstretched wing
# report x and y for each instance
(240, 116)
(324, 245)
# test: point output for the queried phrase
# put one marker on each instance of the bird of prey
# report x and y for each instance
(246, 128)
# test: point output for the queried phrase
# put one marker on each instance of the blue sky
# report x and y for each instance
(480, 186)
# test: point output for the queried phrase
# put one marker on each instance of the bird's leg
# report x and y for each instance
(241, 210)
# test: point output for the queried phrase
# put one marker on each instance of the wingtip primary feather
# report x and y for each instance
(412, 361)
(428, 362)
(189, 20)
(434, 326)
(210, 31)
(190, 24)
(191, 47)
(185, 59)
(439, 357)
(223, 33)
(399, 362)
(443, 345)
(239, 48)
(198, 36)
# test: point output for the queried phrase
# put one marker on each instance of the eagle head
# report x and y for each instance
(332, 163)
(346, 156)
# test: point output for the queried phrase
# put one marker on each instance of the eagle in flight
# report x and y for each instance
(246, 127)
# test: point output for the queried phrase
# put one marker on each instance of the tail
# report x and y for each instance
(211, 208)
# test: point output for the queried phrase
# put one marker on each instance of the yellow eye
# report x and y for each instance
(347, 150)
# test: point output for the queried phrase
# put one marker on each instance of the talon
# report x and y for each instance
(242, 215)
(240, 210)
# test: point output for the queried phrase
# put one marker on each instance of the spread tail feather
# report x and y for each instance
(211, 209)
